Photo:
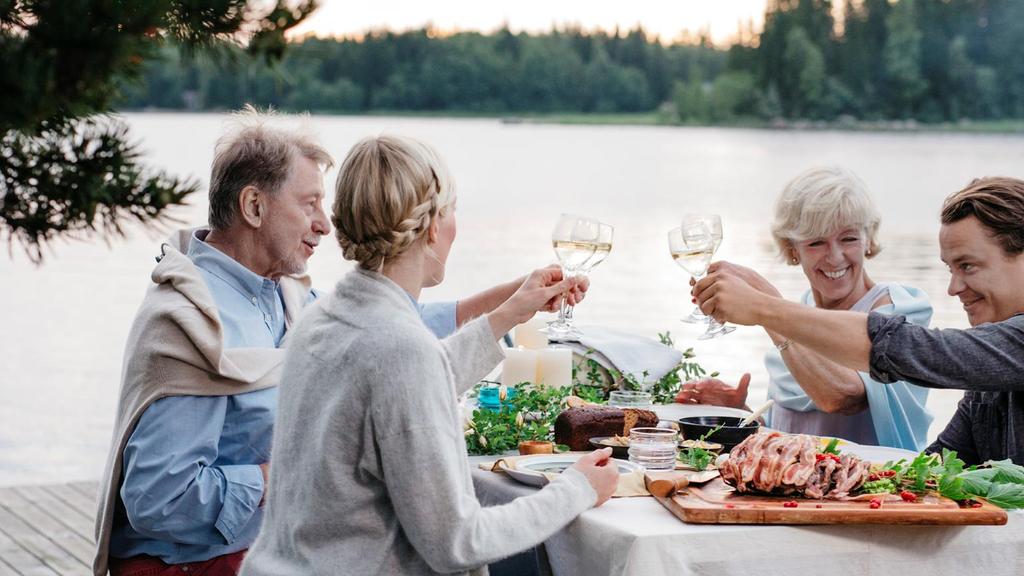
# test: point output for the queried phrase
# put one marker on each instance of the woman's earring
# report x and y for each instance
(868, 252)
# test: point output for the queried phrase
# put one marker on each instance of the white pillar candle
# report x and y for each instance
(520, 366)
(529, 336)
(554, 367)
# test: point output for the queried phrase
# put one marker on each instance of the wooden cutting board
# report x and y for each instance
(717, 503)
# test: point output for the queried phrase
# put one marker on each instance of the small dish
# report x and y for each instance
(674, 412)
(534, 470)
(618, 450)
(709, 446)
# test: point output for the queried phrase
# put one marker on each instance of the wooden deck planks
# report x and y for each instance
(6, 569)
(66, 515)
(18, 558)
(47, 530)
(43, 522)
(73, 498)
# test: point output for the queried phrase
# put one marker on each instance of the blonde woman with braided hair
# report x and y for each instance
(371, 474)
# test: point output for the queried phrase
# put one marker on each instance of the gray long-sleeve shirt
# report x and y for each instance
(368, 467)
(986, 361)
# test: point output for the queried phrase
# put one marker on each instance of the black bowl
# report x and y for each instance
(729, 435)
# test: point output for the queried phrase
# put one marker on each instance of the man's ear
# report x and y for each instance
(250, 206)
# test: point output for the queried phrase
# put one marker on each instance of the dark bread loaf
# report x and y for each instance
(576, 426)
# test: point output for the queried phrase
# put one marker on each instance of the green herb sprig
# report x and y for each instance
(696, 457)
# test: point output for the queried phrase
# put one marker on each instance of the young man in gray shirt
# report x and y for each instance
(982, 243)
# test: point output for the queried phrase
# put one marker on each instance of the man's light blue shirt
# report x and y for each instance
(191, 483)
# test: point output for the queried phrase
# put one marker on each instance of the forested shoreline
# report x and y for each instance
(926, 61)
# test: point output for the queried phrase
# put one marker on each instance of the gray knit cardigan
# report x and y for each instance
(369, 473)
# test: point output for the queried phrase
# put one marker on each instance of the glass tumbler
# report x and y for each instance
(653, 448)
(629, 399)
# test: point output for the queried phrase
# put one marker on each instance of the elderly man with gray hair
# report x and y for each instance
(186, 475)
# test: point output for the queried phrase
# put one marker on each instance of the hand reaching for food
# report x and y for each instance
(715, 392)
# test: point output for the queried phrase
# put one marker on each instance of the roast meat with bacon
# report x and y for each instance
(791, 464)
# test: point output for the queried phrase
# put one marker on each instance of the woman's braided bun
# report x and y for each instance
(388, 191)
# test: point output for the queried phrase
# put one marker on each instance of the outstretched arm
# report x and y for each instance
(489, 300)
(833, 388)
(839, 335)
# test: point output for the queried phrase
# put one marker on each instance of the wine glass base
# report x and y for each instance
(556, 331)
(696, 317)
(720, 331)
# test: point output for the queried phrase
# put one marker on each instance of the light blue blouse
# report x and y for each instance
(896, 414)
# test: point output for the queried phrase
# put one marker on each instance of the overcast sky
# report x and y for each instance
(667, 18)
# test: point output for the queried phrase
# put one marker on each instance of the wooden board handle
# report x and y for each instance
(666, 485)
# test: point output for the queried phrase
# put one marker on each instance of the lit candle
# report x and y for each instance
(529, 336)
(520, 366)
(554, 367)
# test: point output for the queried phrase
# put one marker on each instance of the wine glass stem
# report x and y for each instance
(697, 278)
(563, 308)
(568, 312)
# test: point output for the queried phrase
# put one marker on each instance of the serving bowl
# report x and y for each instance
(729, 435)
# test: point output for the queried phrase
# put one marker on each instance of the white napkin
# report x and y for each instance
(624, 352)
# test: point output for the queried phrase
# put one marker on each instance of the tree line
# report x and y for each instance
(929, 60)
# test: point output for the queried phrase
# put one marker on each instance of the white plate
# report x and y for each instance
(530, 469)
(674, 412)
(876, 454)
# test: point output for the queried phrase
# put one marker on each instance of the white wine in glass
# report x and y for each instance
(575, 240)
(713, 222)
(602, 248)
(695, 261)
(692, 247)
(573, 255)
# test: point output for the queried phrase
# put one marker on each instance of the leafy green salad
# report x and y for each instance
(1000, 482)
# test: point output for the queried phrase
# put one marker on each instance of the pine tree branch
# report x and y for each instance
(79, 178)
(66, 172)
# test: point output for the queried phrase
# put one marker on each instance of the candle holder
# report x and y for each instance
(489, 397)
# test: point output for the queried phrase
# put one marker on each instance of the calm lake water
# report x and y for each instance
(65, 323)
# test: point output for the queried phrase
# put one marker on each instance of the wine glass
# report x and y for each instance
(692, 246)
(604, 247)
(575, 239)
(714, 224)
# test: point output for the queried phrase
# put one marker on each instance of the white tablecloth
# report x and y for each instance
(639, 536)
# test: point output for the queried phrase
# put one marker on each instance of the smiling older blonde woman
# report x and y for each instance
(826, 223)
(370, 474)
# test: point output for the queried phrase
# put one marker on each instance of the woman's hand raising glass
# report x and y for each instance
(543, 290)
